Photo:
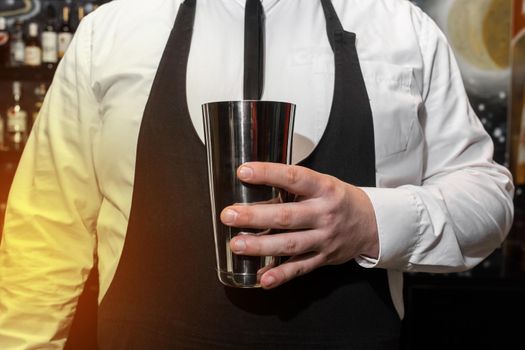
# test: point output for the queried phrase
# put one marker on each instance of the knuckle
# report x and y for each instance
(324, 258)
(290, 247)
(284, 217)
(257, 248)
(281, 275)
(245, 215)
(329, 257)
(328, 219)
(299, 271)
(330, 186)
(266, 174)
(291, 175)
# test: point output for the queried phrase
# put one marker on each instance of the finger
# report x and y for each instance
(292, 178)
(292, 268)
(280, 244)
(279, 216)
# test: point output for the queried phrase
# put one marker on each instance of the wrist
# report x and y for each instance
(369, 226)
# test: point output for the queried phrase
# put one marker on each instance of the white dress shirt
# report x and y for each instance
(441, 203)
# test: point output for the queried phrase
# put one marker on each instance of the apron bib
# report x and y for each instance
(165, 293)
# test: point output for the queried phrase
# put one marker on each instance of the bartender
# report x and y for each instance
(392, 169)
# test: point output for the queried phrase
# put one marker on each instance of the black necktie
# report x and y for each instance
(253, 50)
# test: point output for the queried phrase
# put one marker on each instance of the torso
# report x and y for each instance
(300, 70)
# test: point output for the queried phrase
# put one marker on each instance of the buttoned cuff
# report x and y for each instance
(398, 215)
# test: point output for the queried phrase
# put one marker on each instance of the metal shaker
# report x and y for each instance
(237, 132)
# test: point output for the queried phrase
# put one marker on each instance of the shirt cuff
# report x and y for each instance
(398, 215)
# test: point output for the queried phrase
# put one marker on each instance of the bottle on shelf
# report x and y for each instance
(4, 43)
(18, 45)
(33, 50)
(16, 128)
(65, 32)
(81, 13)
(40, 94)
(50, 40)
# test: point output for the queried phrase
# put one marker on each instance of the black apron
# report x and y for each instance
(165, 293)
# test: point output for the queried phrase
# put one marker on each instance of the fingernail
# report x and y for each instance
(228, 216)
(239, 245)
(245, 172)
(268, 281)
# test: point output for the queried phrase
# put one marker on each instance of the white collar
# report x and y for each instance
(267, 4)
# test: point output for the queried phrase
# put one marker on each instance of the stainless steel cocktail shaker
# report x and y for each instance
(237, 132)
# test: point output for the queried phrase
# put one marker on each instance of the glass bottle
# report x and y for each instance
(16, 130)
(40, 94)
(50, 40)
(33, 49)
(81, 13)
(65, 32)
(18, 45)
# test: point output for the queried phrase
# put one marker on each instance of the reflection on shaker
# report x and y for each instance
(237, 132)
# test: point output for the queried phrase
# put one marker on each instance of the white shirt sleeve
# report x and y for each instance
(49, 237)
(463, 209)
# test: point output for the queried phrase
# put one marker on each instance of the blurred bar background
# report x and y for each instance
(481, 308)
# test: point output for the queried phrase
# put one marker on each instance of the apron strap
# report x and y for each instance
(334, 28)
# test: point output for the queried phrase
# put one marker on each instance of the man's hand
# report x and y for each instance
(330, 223)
